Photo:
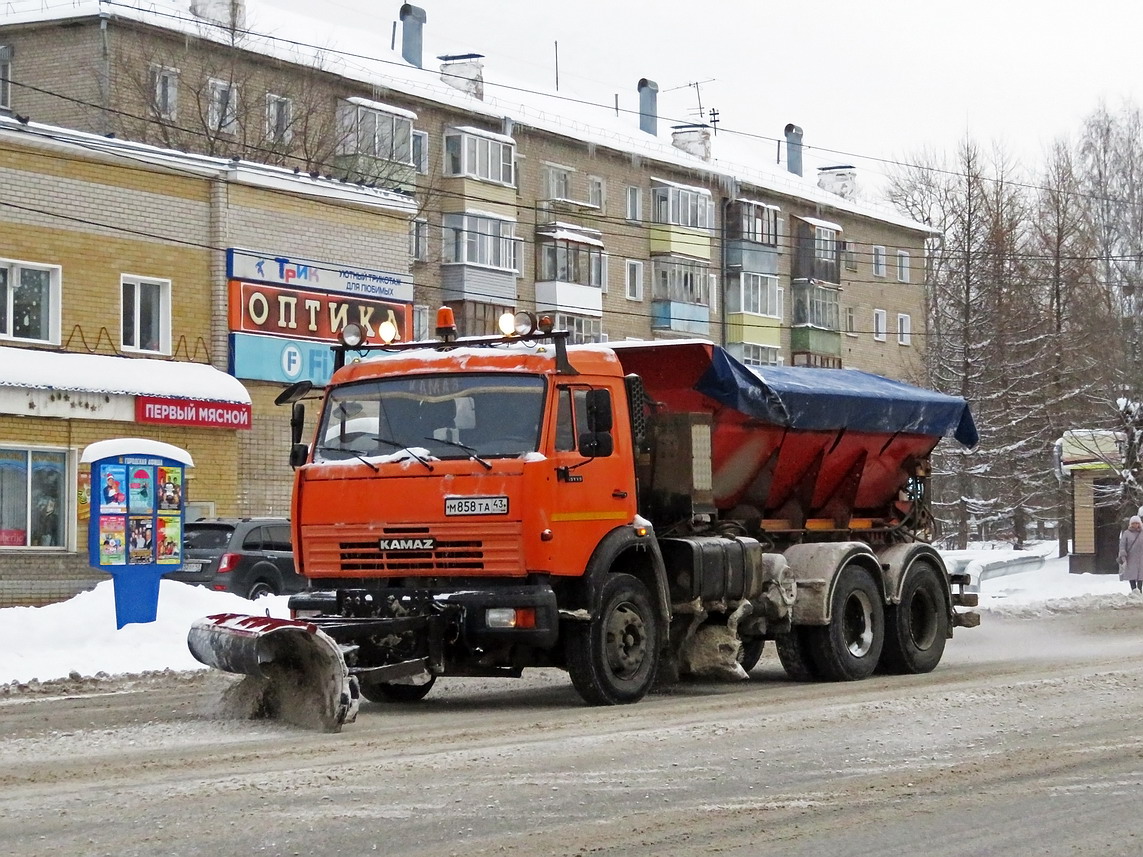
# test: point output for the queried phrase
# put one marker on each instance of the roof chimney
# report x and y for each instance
(692, 139)
(229, 13)
(464, 72)
(412, 26)
(841, 180)
(649, 106)
(794, 149)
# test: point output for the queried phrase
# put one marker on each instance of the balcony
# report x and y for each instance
(680, 317)
(668, 239)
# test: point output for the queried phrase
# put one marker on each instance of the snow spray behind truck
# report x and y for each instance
(629, 513)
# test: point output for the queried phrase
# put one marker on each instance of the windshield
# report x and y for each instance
(451, 416)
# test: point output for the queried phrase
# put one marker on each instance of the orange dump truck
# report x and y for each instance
(629, 513)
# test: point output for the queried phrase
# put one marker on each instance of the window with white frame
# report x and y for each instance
(759, 222)
(222, 113)
(825, 243)
(479, 157)
(634, 282)
(581, 329)
(279, 118)
(761, 355)
(470, 239)
(902, 266)
(681, 282)
(375, 132)
(759, 294)
(422, 313)
(634, 204)
(816, 305)
(557, 182)
(146, 314)
(29, 301)
(596, 193)
(878, 261)
(904, 329)
(879, 322)
(5, 77)
(849, 255)
(164, 91)
(571, 262)
(421, 151)
(34, 497)
(682, 206)
(419, 240)
(850, 321)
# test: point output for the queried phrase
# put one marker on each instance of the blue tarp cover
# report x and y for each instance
(808, 398)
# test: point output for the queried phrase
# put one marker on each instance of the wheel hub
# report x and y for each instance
(626, 641)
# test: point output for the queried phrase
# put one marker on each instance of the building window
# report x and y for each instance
(759, 222)
(223, 110)
(474, 240)
(146, 315)
(570, 262)
(761, 355)
(596, 193)
(375, 132)
(904, 329)
(29, 301)
(422, 313)
(878, 261)
(850, 321)
(421, 151)
(634, 289)
(164, 92)
(815, 305)
(849, 255)
(902, 266)
(419, 240)
(33, 497)
(681, 206)
(759, 294)
(581, 329)
(485, 158)
(825, 244)
(681, 282)
(5, 77)
(879, 322)
(557, 182)
(634, 204)
(279, 118)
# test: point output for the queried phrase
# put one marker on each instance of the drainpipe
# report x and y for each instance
(104, 76)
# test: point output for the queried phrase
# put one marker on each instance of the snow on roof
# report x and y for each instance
(824, 224)
(355, 53)
(572, 235)
(480, 132)
(134, 446)
(129, 376)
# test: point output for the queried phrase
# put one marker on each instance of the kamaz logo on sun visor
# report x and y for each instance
(426, 544)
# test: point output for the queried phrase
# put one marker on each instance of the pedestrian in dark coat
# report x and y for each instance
(1131, 553)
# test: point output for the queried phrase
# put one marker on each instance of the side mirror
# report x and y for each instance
(598, 410)
(297, 421)
(596, 444)
(299, 452)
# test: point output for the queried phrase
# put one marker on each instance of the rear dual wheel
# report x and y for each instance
(383, 691)
(918, 626)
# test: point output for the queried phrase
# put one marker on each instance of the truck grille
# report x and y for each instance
(490, 548)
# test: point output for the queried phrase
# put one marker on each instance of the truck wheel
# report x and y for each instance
(794, 653)
(383, 691)
(916, 629)
(613, 659)
(750, 652)
(849, 647)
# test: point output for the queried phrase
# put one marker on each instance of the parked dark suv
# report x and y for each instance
(247, 556)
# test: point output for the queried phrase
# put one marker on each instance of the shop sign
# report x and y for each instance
(161, 410)
(272, 358)
(274, 311)
(307, 274)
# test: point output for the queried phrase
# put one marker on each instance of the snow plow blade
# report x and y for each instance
(294, 671)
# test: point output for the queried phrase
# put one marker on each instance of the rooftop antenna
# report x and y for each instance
(698, 94)
(714, 120)
(557, 45)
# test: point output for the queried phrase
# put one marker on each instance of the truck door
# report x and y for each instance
(593, 486)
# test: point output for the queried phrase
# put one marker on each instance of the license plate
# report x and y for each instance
(476, 506)
(193, 565)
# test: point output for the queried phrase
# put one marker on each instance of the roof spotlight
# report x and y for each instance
(351, 335)
(387, 331)
(518, 324)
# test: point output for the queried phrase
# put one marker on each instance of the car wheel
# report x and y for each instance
(261, 587)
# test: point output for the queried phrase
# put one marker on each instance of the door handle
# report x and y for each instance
(619, 495)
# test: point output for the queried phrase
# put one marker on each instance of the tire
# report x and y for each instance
(849, 647)
(259, 588)
(614, 658)
(750, 652)
(916, 629)
(383, 691)
(794, 653)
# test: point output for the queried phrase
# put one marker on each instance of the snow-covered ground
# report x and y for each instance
(79, 636)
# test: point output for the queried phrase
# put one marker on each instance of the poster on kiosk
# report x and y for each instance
(135, 532)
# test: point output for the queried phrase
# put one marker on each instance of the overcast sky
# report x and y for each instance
(880, 79)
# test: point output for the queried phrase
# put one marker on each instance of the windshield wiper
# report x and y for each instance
(397, 445)
(356, 455)
(471, 452)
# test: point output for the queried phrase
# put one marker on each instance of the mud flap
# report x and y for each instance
(294, 671)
